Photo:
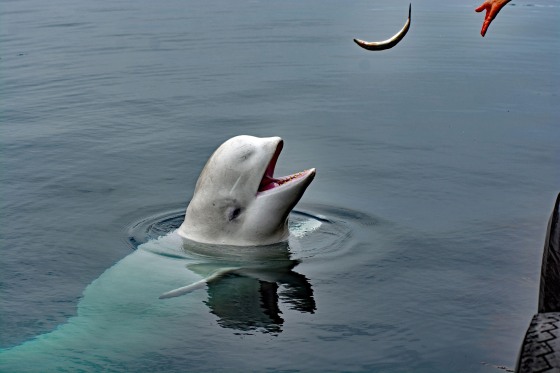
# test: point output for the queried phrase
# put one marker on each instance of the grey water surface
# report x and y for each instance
(437, 167)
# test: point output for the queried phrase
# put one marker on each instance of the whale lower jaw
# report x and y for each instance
(277, 185)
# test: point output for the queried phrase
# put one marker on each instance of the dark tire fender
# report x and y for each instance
(540, 351)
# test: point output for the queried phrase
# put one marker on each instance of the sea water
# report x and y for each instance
(437, 167)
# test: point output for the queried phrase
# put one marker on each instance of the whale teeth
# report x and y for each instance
(290, 178)
(270, 182)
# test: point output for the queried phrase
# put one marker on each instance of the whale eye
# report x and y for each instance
(233, 213)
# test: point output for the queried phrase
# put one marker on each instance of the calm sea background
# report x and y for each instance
(109, 110)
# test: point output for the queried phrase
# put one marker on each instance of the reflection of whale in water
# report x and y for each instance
(246, 294)
(245, 303)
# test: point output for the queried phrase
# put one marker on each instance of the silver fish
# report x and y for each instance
(389, 43)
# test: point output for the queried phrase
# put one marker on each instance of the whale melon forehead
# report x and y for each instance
(244, 149)
(239, 161)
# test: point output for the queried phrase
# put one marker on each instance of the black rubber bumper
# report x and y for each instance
(540, 351)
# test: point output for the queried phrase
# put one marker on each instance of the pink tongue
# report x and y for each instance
(267, 183)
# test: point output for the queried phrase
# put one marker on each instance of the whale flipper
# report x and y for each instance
(199, 284)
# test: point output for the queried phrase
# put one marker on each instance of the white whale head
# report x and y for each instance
(238, 201)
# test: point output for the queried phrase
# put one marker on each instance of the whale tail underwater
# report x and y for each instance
(233, 242)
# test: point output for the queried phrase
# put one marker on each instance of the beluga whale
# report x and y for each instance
(238, 200)
(389, 43)
(234, 242)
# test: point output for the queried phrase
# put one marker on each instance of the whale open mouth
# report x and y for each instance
(269, 182)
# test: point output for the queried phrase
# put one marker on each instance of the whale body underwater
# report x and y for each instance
(234, 242)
